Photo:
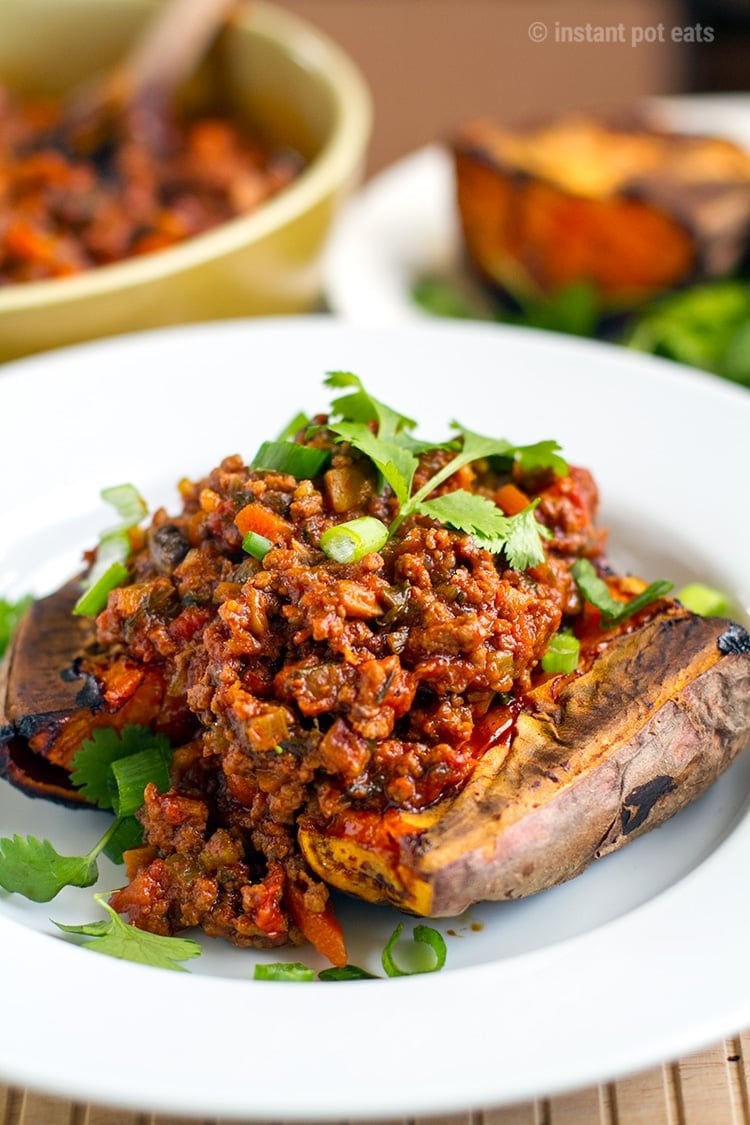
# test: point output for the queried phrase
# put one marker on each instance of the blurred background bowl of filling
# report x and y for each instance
(217, 206)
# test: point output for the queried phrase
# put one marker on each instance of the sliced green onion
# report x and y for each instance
(562, 653)
(256, 545)
(300, 461)
(705, 600)
(283, 970)
(127, 502)
(128, 834)
(347, 972)
(293, 427)
(349, 542)
(94, 599)
(424, 934)
(108, 572)
(132, 774)
(595, 591)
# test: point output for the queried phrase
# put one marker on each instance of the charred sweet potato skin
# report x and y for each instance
(633, 235)
(51, 699)
(615, 752)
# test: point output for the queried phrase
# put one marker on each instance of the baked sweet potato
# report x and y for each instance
(631, 210)
(594, 761)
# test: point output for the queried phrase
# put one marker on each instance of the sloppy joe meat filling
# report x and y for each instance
(303, 687)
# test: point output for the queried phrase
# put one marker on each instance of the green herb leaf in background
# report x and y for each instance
(576, 310)
(706, 326)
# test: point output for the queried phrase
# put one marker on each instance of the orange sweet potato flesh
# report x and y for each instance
(632, 211)
(660, 714)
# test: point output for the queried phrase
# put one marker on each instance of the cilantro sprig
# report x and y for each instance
(112, 771)
(35, 869)
(393, 450)
(116, 938)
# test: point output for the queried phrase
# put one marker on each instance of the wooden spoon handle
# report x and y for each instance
(171, 47)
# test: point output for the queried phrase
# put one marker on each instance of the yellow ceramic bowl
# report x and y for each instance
(279, 73)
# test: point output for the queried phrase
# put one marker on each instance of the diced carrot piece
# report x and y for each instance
(511, 499)
(254, 517)
(321, 930)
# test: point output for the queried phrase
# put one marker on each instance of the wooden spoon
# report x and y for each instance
(168, 51)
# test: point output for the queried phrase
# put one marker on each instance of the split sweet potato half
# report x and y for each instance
(595, 760)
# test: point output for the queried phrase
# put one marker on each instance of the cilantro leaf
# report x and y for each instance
(32, 868)
(475, 446)
(117, 938)
(92, 771)
(467, 511)
(362, 407)
(576, 309)
(10, 614)
(523, 545)
(519, 536)
(541, 455)
(397, 465)
(596, 591)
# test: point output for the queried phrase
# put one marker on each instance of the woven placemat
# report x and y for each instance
(708, 1088)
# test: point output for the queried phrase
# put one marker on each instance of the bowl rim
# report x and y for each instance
(339, 157)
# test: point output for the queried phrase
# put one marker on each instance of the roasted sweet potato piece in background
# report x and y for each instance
(634, 211)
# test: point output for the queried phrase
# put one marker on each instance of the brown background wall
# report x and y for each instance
(434, 63)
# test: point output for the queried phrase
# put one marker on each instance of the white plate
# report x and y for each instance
(640, 959)
(403, 224)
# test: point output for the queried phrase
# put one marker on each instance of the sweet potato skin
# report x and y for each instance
(40, 690)
(620, 749)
